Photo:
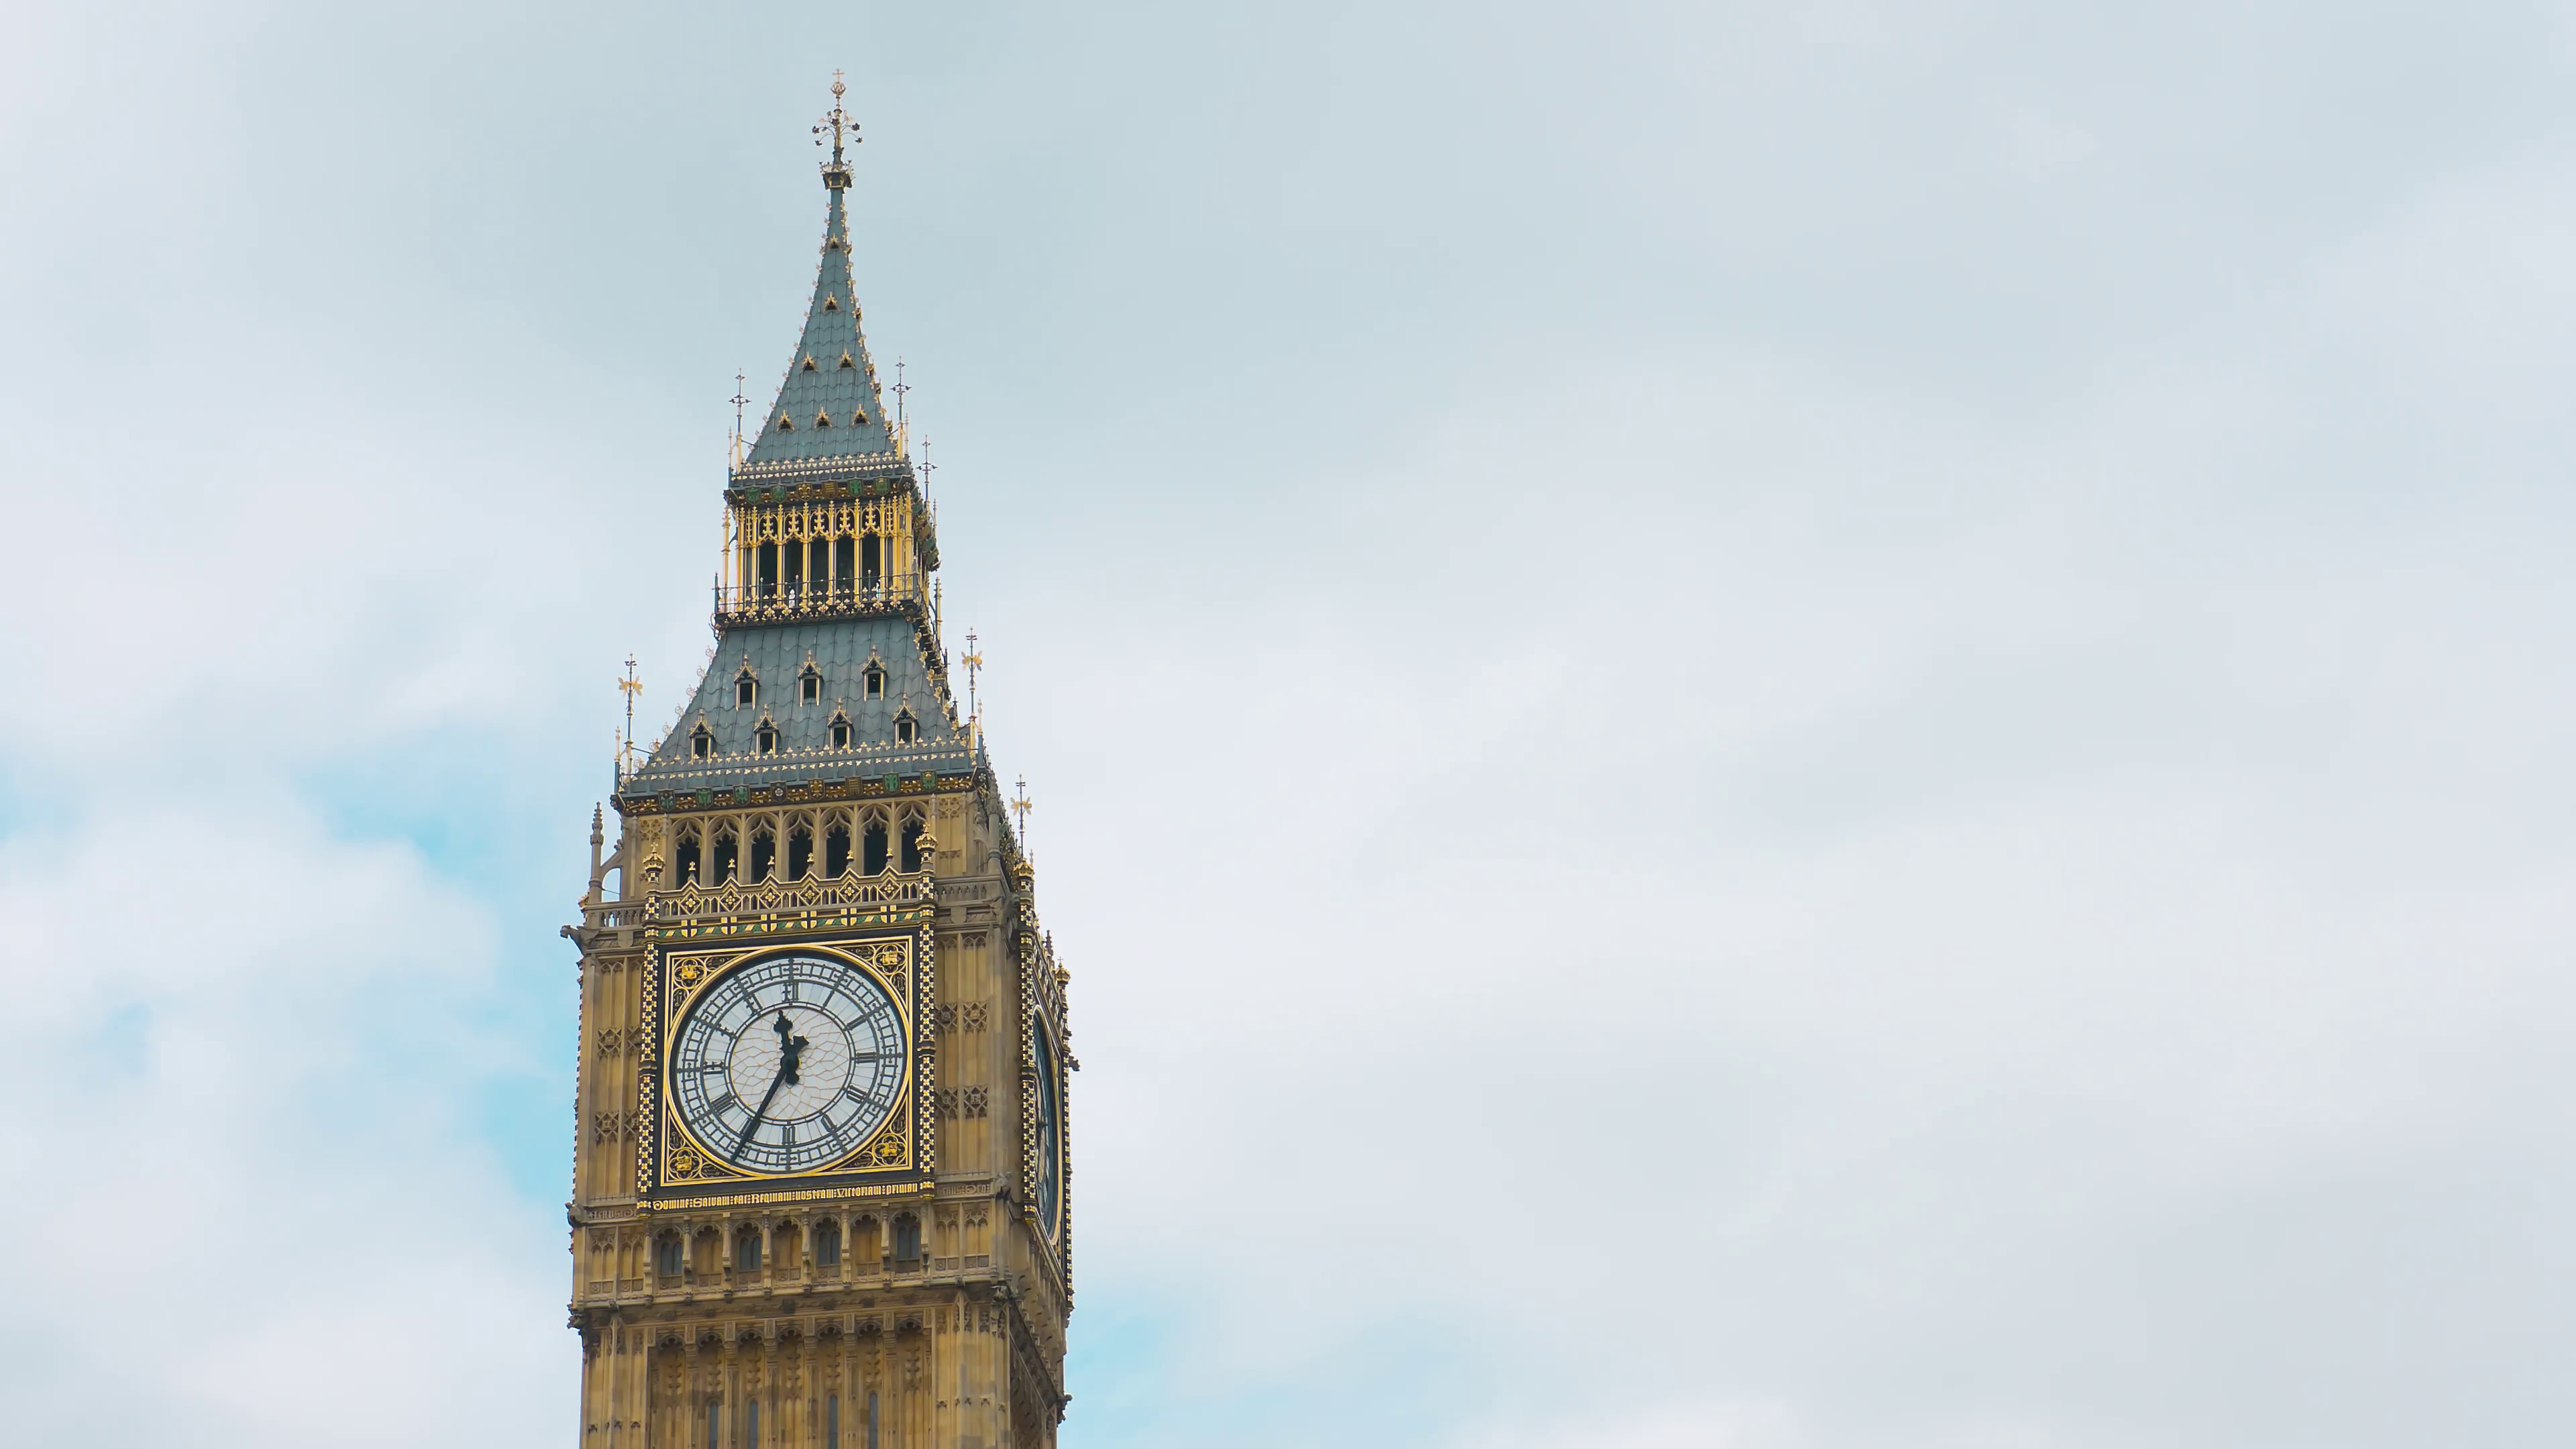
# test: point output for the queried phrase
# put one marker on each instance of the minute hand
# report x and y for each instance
(760, 1111)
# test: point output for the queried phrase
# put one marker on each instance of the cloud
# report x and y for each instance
(244, 1055)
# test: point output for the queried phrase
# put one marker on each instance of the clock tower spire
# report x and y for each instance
(819, 1191)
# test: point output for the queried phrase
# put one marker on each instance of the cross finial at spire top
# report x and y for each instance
(837, 121)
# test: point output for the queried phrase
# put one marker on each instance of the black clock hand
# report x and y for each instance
(760, 1111)
(788, 1042)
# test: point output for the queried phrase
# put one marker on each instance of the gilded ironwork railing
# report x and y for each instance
(780, 600)
(886, 890)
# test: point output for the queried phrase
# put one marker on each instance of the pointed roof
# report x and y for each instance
(828, 405)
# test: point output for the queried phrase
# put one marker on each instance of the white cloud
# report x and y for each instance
(249, 1187)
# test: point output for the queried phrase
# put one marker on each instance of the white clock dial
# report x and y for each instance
(788, 1064)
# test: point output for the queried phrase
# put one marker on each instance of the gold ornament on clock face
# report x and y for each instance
(788, 1064)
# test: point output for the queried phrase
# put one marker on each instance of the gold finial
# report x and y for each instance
(838, 122)
(630, 686)
(901, 424)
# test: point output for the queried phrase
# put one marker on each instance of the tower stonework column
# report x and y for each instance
(815, 995)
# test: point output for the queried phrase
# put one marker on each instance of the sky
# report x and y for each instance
(1795, 727)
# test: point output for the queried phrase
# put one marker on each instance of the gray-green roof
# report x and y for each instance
(776, 655)
(828, 405)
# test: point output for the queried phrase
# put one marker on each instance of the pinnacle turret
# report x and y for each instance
(828, 406)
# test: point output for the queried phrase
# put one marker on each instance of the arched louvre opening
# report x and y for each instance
(873, 849)
(836, 850)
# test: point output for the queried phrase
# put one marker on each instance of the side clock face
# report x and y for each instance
(1050, 1140)
(788, 1064)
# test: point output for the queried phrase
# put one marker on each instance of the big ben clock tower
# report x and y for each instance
(819, 1195)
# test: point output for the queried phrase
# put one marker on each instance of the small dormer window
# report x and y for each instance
(765, 737)
(746, 690)
(904, 729)
(810, 688)
(875, 678)
(846, 362)
(858, 418)
(809, 364)
(822, 420)
(786, 424)
(702, 743)
(840, 731)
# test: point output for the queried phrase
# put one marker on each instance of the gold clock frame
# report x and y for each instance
(673, 1166)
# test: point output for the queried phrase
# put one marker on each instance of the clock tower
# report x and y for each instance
(819, 1186)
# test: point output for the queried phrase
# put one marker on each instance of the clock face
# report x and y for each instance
(1050, 1139)
(788, 1064)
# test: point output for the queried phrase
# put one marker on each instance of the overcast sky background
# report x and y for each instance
(1797, 727)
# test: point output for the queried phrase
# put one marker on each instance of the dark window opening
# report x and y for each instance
(809, 364)
(868, 558)
(766, 738)
(911, 846)
(846, 362)
(766, 557)
(907, 1238)
(793, 563)
(832, 1402)
(746, 691)
(666, 1255)
(746, 1251)
(827, 1244)
(751, 1425)
(873, 849)
(701, 744)
(722, 866)
(800, 852)
(836, 852)
(872, 1419)
(840, 734)
(845, 554)
(904, 729)
(764, 853)
(812, 686)
(875, 680)
(684, 861)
